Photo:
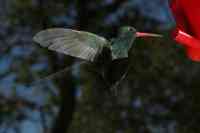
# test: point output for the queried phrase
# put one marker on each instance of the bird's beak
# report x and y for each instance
(142, 34)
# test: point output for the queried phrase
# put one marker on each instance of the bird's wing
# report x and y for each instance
(79, 44)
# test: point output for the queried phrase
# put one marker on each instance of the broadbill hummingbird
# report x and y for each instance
(89, 46)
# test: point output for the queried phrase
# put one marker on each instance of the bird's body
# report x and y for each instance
(85, 45)
(89, 46)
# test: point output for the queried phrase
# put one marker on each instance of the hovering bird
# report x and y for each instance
(89, 46)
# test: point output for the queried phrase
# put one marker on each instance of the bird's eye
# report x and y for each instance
(129, 29)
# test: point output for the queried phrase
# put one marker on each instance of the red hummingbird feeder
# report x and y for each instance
(187, 31)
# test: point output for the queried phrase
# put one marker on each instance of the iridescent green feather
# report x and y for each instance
(122, 44)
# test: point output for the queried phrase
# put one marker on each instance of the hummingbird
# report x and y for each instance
(89, 46)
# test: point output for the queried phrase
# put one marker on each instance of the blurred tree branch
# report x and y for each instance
(67, 105)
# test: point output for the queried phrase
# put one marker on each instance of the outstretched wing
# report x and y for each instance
(79, 44)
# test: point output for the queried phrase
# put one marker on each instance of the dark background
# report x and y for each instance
(160, 94)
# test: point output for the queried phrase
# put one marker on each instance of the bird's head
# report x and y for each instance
(124, 41)
(128, 31)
